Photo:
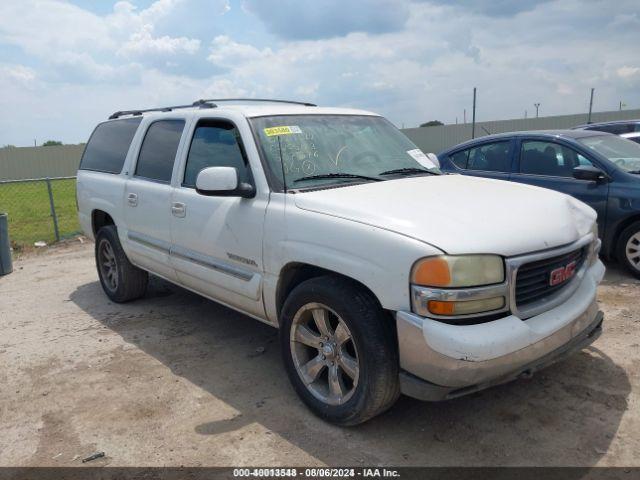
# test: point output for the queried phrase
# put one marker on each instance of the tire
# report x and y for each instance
(120, 280)
(628, 249)
(353, 313)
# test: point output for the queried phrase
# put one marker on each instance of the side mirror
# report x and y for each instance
(222, 182)
(589, 173)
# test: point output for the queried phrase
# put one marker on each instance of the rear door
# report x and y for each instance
(491, 159)
(147, 197)
(548, 163)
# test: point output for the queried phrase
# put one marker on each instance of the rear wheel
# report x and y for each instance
(629, 248)
(339, 350)
(120, 279)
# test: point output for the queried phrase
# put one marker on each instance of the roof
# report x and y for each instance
(612, 122)
(247, 108)
(570, 134)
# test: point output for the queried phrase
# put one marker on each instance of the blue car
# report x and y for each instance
(601, 169)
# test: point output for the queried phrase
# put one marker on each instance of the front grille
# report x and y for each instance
(533, 279)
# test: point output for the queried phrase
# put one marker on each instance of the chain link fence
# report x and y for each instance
(39, 210)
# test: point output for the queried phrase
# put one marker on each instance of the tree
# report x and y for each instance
(432, 123)
(9, 146)
(51, 143)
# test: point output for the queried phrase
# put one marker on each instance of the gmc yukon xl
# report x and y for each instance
(384, 275)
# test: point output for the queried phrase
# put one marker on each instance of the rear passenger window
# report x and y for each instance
(215, 144)
(490, 157)
(108, 146)
(459, 159)
(159, 149)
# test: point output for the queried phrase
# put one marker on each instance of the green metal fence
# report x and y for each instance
(40, 210)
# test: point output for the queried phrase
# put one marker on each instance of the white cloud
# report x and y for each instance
(225, 51)
(19, 73)
(143, 42)
(420, 69)
(628, 72)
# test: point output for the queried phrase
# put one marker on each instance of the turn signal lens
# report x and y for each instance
(437, 307)
(454, 271)
(441, 308)
(432, 271)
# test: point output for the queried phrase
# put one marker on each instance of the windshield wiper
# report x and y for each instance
(336, 175)
(637, 172)
(407, 171)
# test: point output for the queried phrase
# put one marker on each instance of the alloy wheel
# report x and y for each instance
(633, 250)
(108, 265)
(324, 354)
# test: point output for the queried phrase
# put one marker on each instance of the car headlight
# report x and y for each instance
(456, 271)
(438, 285)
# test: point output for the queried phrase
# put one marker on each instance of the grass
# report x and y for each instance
(30, 220)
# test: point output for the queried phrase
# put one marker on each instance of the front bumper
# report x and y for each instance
(441, 361)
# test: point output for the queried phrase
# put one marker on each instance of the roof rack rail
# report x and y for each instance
(204, 103)
(273, 100)
(135, 113)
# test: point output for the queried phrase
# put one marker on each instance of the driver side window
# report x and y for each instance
(215, 144)
(549, 159)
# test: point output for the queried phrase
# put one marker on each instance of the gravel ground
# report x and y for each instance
(174, 379)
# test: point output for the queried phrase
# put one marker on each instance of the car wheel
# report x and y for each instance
(340, 350)
(120, 280)
(629, 248)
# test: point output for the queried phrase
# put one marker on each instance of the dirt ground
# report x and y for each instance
(174, 379)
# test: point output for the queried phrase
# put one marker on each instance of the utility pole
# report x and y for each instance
(537, 105)
(590, 106)
(622, 105)
(525, 114)
(465, 116)
(473, 124)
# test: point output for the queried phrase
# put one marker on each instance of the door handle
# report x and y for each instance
(132, 199)
(178, 209)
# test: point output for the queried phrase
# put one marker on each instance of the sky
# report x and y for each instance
(65, 65)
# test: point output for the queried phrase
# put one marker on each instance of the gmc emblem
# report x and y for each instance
(562, 274)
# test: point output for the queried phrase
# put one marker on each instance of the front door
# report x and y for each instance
(147, 199)
(217, 240)
(550, 164)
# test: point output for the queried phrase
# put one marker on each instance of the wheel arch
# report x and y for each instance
(294, 273)
(620, 227)
(99, 219)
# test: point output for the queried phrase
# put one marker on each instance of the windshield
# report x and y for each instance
(622, 152)
(313, 150)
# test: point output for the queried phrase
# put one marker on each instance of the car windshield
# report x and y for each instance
(624, 153)
(306, 151)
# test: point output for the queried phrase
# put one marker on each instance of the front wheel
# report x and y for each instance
(339, 350)
(629, 248)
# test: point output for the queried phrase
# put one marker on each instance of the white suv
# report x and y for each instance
(383, 274)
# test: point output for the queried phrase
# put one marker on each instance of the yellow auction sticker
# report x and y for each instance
(285, 130)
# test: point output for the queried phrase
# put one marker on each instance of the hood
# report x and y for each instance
(460, 214)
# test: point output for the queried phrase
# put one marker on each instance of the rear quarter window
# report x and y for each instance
(108, 146)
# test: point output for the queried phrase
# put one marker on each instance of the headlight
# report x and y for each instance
(437, 285)
(455, 271)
